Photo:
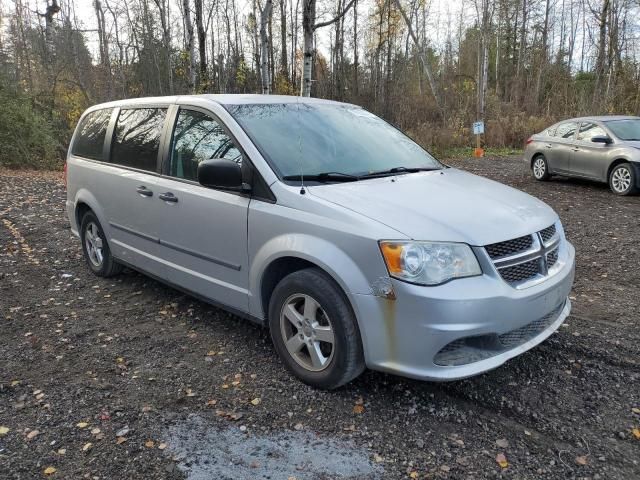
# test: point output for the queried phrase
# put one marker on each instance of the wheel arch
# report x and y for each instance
(615, 163)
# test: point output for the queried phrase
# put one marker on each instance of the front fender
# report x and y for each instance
(322, 253)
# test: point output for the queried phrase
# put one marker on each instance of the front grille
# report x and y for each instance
(525, 258)
(552, 258)
(464, 351)
(548, 233)
(510, 247)
(521, 272)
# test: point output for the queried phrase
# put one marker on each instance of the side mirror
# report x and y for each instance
(602, 139)
(221, 173)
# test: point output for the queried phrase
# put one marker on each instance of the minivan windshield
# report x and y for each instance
(331, 142)
(628, 129)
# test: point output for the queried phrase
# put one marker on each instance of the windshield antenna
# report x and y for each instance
(302, 190)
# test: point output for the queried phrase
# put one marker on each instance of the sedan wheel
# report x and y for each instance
(539, 167)
(621, 180)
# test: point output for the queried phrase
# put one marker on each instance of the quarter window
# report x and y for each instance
(137, 137)
(89, 139)
(199, 137)
(589, 130)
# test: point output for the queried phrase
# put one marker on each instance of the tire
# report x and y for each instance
(96, 248)
(330, 317)
(540, 168)
(622, 179)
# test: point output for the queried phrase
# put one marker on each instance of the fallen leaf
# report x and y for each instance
(123, 431)
(581, 460)
(87, 447)
(211, 353)
(190, 393)
(445, 468)
(162, 446)
(32, 434)
(502, 460)
(82, 424)
(413, 474)
(4, 431)
(15, 383)
(211, 403)
(95, 431)
(49, 471)
(358, 409)
(636, 410)
(377, 458)
(149, 444)
(636, 433)
(61, 451)
(255, 401)
(121, 440)
(146, 408)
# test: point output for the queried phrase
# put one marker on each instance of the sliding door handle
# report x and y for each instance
(144, 191)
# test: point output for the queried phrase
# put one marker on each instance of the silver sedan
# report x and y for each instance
(605, 149)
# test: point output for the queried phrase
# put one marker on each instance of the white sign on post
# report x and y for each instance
(478, 128)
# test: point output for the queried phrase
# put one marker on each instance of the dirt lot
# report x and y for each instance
(126, 378)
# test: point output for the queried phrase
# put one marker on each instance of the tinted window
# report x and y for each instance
(199, 137)
(566, 130)
(137, 137)
(90, 135)
(317, 138)
(589, 130)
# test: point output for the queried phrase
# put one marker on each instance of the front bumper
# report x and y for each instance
(403, 336)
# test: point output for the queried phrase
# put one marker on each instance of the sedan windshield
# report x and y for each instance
(334, 142)
(628, 129)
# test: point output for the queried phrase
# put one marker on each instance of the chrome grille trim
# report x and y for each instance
(526, 260)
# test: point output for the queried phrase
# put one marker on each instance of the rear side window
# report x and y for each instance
(566, 130)
(90, 135)
(137, 137)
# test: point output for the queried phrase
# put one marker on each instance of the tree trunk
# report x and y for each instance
(308, 20)
(264, 42)
(191, 75)
(203, 83)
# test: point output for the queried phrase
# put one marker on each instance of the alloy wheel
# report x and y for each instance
(621, 179)
(307, 332)
(94, 245)
(539, 167)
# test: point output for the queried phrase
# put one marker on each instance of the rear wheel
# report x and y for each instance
(540, 168)
(622, 179)
(95, 247)
(314, 330)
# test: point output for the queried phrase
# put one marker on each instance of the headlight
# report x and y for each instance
(429, 263)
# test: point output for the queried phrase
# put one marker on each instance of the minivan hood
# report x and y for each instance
(443, 205)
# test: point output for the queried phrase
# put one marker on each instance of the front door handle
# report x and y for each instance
(548, 145)
(168, 197)
(144, 191)
(575, 149)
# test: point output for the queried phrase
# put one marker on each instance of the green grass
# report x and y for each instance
(466, 152)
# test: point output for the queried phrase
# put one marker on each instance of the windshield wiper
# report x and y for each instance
(394, 170)
(324, 177)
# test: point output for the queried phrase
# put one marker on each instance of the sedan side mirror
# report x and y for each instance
(602, 139)
(221, 173)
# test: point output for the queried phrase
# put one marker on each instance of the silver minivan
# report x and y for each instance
(321, 221)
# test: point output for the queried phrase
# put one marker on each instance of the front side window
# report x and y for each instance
(588, 130)
(566, 130)
(137, 137)
(198, 137)
(628, 129)
(89, 139)
(311, 139)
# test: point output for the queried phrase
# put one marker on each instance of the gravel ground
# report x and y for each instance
(126, 378)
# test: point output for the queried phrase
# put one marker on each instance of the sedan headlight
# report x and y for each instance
(429, 263)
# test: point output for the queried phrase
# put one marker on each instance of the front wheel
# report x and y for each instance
(622, 179)
(540, 168)
(314, 330)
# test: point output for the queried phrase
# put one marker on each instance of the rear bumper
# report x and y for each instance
(404, 336)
